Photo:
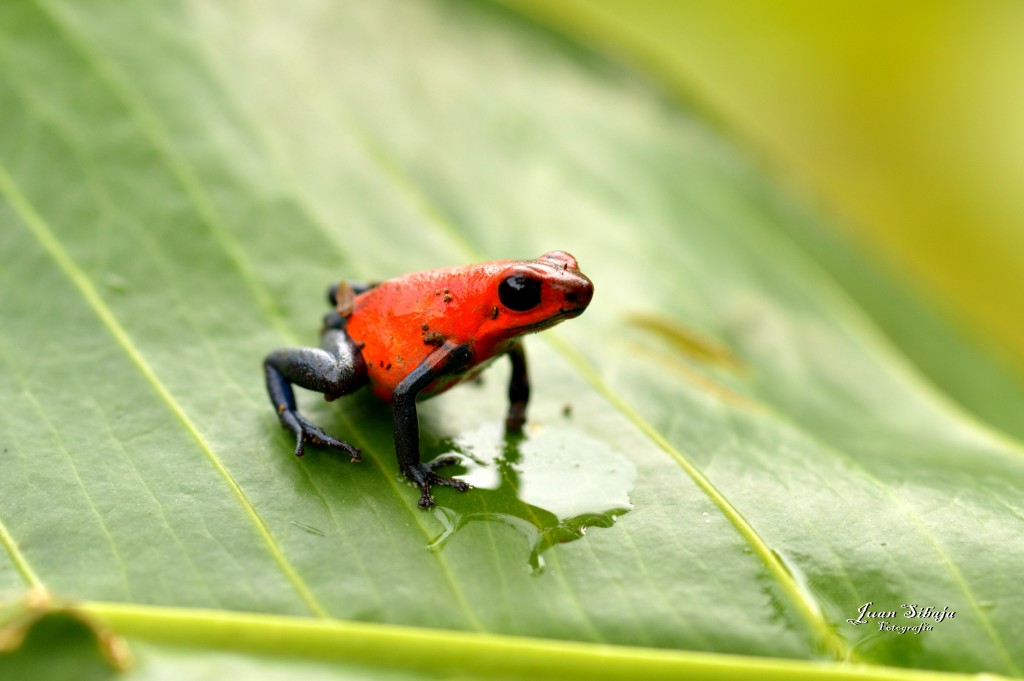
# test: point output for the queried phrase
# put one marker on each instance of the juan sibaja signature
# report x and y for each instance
(910, 611)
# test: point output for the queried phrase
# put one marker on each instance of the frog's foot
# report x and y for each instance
(516, 418)
(306, 432)
(423, 475)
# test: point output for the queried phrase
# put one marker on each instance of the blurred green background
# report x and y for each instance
(906, 117)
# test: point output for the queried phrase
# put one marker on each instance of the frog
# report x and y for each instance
(416, 336)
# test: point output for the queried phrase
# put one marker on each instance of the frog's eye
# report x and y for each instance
(519, 293)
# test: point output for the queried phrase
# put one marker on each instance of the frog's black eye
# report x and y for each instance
(519, 293)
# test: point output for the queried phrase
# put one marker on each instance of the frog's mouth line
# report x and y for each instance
(563, 313)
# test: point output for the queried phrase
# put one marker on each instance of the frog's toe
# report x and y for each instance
(294, 423)
(319, 437)
(426, 500)
(307, 432)
(441, 462)
(435, 479)
(355, 455)
(423, 476)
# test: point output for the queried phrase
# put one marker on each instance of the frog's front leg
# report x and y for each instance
(518, 389)
(335, 370)
(446, 359)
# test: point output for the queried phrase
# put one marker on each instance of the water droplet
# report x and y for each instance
(550, 485)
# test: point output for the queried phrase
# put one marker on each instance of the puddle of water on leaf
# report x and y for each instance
(550, 485)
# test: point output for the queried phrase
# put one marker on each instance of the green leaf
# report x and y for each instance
(753, 459)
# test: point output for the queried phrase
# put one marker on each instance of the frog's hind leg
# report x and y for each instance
(336, 369)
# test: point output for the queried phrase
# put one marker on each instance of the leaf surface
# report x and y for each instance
(182, 181)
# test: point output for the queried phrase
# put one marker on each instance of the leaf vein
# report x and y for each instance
(912, 515)
(41, 231)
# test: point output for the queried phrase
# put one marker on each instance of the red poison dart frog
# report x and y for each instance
(418, 335)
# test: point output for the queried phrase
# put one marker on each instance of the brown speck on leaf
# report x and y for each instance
(447, 296)
(433, 338)
(424, 326)
(494, 312)
(388, 367)
(437, 292)
(382, 363)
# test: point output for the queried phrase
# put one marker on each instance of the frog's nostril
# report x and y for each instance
(579, 295)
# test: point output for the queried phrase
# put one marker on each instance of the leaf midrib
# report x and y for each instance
(444, 650)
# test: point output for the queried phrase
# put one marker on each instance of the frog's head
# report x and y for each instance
(532, 295)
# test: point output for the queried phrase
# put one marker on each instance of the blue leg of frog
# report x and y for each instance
(335, 369)
(446, 359)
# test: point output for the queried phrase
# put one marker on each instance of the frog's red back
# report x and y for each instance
(402, 321)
